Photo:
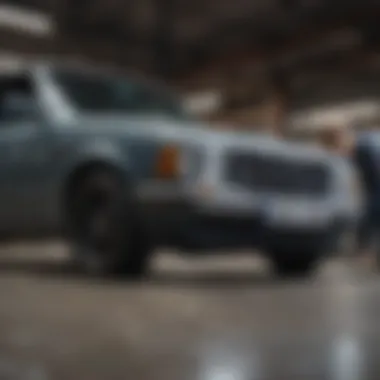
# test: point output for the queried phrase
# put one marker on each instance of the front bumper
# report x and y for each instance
(183, 225)
(221, 232)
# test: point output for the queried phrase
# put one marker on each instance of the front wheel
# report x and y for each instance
(290, 265)
(104, 229)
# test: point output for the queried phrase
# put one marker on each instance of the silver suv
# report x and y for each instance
(120, 169)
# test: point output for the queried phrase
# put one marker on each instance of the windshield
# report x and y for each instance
(97, 93)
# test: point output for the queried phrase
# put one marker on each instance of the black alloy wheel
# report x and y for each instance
(105, 231)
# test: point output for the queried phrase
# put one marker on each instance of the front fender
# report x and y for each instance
(100, 150)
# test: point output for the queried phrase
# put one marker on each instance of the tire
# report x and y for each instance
(105, 232)
(294, 266)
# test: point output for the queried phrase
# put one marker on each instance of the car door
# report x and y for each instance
(23, 157)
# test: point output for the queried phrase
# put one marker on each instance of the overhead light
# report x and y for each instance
(37, 24)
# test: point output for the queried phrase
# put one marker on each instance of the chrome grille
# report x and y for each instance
(276, 174)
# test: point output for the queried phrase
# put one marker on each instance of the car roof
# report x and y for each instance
(79, 66)
(24, 65)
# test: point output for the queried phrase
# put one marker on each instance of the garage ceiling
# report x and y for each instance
(300, 46)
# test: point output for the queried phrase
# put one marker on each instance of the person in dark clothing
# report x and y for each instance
(365, 159)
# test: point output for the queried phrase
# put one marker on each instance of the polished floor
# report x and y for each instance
(214, 319)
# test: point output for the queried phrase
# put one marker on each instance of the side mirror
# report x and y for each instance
(19, 106)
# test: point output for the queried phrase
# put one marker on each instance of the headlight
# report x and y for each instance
(193, 163)
(184, 162)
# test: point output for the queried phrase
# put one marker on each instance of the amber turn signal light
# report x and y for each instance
(168, 162)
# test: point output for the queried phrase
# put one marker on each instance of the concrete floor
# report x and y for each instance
(213, 319)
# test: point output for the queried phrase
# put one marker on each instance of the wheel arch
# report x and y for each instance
(83, 169)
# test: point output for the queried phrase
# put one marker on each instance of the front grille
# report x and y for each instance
(276, 174)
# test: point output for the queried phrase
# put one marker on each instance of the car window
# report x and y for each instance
(17, 99)
(94, 93)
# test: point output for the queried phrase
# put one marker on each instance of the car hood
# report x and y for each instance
(194, 132)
